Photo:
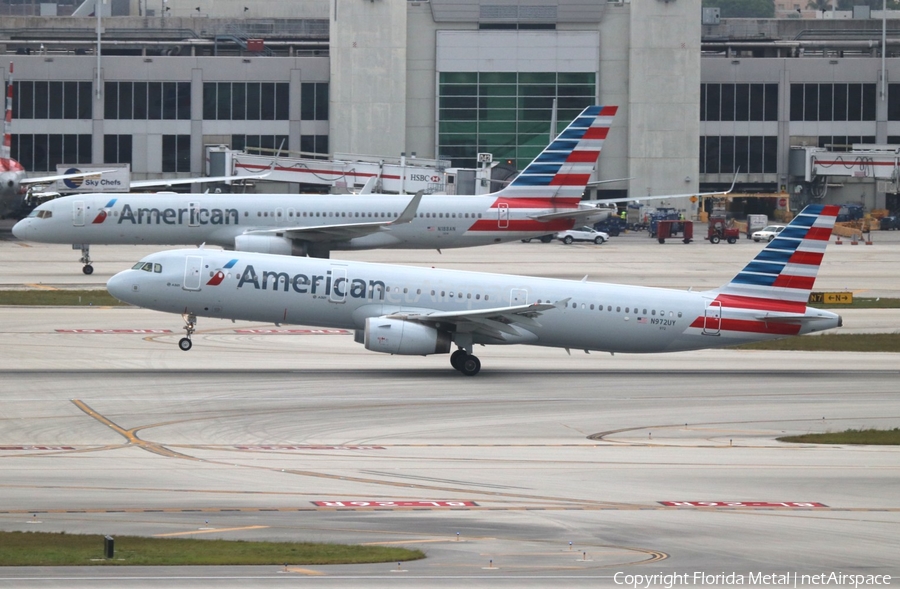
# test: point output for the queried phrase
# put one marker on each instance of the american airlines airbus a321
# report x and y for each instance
(544, 198)
(420, 311)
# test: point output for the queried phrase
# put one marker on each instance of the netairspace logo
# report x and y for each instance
(670, 580)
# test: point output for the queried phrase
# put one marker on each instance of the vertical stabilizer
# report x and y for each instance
(781, 277)
(7, 119)
(561, 172)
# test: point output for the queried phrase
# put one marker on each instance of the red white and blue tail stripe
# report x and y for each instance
(780, 278)
(563, 169)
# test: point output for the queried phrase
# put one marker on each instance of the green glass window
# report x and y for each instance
(506, 113)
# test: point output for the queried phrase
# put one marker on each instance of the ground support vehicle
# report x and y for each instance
(666, 229)
(720, 228)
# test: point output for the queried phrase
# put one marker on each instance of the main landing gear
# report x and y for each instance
(190, 326)
(86, 259)
(465, 362)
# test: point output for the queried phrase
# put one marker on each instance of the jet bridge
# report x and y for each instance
(352, 173)
(880, 162)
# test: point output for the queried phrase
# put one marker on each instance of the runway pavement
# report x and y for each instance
(546, 470)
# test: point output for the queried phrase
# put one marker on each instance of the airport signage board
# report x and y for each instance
(831, 298)
(115, 178)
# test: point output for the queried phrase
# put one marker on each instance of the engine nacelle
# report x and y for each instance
(267, 244)
(395, 336)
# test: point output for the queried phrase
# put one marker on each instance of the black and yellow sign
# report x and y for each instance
(831, 298)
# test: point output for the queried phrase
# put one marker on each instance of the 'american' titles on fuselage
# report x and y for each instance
(181, 216)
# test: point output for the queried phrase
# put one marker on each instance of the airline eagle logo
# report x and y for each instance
(219, 274)
(103, 214)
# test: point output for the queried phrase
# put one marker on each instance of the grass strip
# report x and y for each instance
(60, 298)
(833, 342)
(875, 437)
(61, 549)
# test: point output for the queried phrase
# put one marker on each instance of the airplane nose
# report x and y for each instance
(122, 286)
(21, 229)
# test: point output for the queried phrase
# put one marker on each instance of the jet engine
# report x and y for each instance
(268, 244)
(395, 336)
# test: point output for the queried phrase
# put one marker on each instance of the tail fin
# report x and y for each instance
(781, 277)
(7, 120)
(564, 168)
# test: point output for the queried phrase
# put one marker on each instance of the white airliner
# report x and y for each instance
(421, 311)
(543, 199)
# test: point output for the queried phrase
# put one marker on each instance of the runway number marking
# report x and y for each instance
(5, 448)
(101, 331)
(310, 447)
(791, 504)
(395, 504)
(294, 331)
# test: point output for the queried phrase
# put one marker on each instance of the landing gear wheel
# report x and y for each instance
(470, 365)
(86, 259)
(456, 359)
(190, 326)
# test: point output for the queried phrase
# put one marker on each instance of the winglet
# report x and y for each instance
(409, 213)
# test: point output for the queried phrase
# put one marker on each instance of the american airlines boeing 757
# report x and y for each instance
(544, 198)
(420, 311)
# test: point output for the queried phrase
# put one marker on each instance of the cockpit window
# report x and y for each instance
(138, 266)
(157, 268)
(147, 267)
(40, 214)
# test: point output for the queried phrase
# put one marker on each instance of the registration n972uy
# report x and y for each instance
(420, 311)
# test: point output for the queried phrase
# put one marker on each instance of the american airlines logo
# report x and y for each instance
(219, 276)
(103, 214)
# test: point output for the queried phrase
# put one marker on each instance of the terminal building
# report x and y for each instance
(701, 99)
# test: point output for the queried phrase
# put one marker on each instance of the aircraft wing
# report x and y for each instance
(165, 182)
(665, 196)
(55, 177)
(572, 214)
(344, 231)
(491, 322)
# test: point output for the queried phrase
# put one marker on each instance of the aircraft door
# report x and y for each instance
(518, 296)
(193, 268)
(194, 216)
(503, 215)
(78, 213)
(339, 285)
(712, 319)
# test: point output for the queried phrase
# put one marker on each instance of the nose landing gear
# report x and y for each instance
(86, 259)
(190, 326)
